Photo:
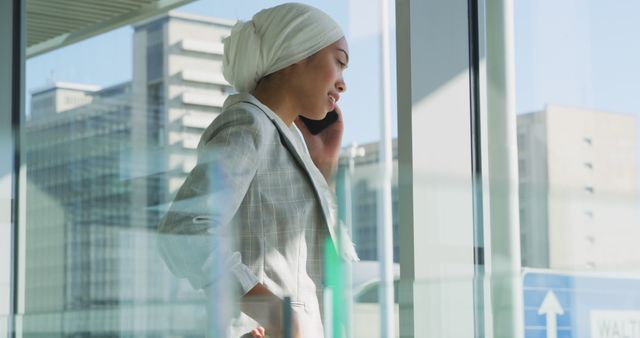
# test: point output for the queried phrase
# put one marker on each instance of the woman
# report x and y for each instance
(253, 215)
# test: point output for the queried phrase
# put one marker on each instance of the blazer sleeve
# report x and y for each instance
(196, 238)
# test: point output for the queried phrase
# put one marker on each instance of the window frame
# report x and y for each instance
(12, 104)
(488, 108)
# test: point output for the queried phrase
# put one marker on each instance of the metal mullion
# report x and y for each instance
(17, 81)
(503, 257)
(434, 159)
(476, 165)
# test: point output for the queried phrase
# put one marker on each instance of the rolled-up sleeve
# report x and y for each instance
(197, 239)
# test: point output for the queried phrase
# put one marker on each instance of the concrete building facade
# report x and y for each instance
(364, 187)
(579, 189)
(102, 164)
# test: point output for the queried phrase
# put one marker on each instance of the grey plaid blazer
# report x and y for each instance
(255, 209)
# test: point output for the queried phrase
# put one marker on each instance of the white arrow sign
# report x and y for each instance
(552, 308)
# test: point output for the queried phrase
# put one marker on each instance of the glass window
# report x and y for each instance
(578, 125)
(112, 129)
(577, 113)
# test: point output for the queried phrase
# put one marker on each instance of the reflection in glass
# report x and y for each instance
(577, 144)
(102, 162)
(572, 215)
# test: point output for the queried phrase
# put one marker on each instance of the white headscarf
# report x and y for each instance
(274, 39)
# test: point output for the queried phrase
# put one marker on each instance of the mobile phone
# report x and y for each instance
(316, 126)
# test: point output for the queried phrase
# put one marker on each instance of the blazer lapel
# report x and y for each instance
(325, 196)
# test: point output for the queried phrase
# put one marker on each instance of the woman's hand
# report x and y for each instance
(324, 147)
(258, 332)
(265, 308)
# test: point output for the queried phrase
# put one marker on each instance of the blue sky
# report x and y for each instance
(580, 53)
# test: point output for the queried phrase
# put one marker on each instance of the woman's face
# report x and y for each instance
(318, 80)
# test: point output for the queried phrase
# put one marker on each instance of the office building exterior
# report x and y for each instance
(365, 186)
(578, 188)
(102, 164)
(578, 173)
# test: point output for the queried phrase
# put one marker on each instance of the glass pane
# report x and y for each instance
(112, 132)
(5, 224)
(576, 71)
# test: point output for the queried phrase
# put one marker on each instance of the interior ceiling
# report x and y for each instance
(51, 24)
